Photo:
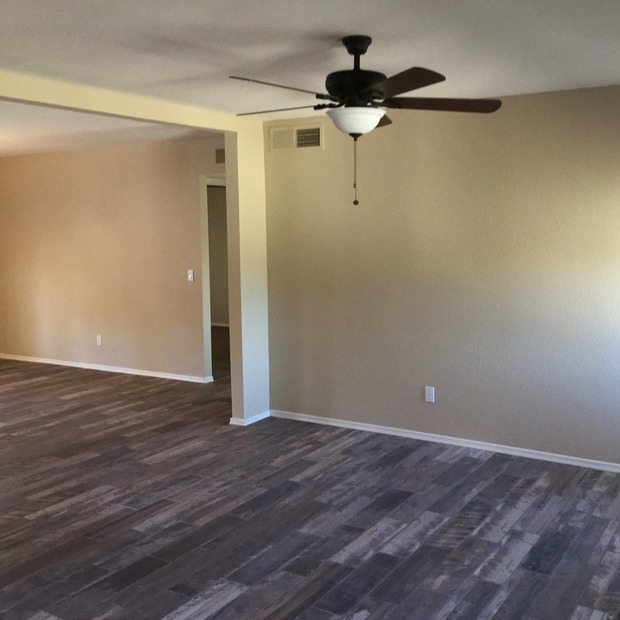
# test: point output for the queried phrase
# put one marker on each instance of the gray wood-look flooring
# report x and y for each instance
(131, 497)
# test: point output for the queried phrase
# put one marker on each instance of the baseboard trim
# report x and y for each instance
(251, 420)
(564, 459)
(104, 368)
(220, 325)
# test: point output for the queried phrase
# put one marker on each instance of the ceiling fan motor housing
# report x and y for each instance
(354, 86)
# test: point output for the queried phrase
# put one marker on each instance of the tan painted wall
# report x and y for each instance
(483, 259)
(218, 253)
(99, 242)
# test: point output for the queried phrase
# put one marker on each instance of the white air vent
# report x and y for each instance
(295, 137)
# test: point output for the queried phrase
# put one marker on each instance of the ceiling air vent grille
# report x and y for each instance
(308, 137)
(295, 137)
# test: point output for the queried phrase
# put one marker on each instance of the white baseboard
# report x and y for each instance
(455, 441)
(104, 368)
(251, 420)
(220, 325)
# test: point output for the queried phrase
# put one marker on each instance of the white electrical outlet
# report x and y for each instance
(190, 275)
(98, 340)
(429, 394)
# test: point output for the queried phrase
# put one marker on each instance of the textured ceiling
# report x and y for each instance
(185, 50)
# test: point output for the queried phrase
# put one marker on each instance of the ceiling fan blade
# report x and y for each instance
(405, 81)
(481, 106)
(384, 122)
(303, 107)
(299, 90)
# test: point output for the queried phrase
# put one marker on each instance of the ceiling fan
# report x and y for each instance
(357, 95)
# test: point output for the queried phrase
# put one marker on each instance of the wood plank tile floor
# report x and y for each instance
(130, 497)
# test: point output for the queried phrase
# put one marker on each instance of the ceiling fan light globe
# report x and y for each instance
(355, 120)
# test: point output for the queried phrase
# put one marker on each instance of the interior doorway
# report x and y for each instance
(215, 297)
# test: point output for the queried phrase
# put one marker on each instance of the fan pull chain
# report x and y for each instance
(355, 200)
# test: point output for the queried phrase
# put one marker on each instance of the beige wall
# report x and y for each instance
(483, 259)
(218, 255)
(99, 242)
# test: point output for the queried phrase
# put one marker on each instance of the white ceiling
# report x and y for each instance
(185, 50)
